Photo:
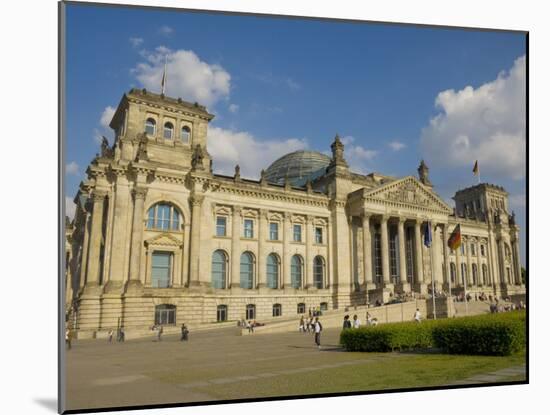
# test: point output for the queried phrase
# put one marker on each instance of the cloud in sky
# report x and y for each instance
(107, 116)
(357, 156)
(233, 108)
(70, 207)
(485, 124)
(229, 148)
(397, 145)
(72, 168)
(166, 30)
(188, 76)
(136, 41)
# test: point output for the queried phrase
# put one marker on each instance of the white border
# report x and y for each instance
(29, 255)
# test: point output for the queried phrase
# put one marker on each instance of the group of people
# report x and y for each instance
(160, 331)
(120, 335)
(356, 323)
(311, 325)
(501, 308)
(250, 324)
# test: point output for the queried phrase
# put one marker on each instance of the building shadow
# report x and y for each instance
(48, 403)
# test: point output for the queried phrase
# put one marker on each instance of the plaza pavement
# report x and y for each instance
(147, 372)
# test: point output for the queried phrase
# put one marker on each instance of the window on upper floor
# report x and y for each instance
(297, 233)
(150, 126)
(274, 231)
(163, 216)
(473, 249)
(185, 134)
(319, 235)
(168, 130)
(248, 228)
(221, 226)
(482, 250)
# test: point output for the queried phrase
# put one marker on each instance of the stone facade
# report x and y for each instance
(156, 229)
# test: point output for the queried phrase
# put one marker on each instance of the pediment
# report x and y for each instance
(408, 192)
(164, 239)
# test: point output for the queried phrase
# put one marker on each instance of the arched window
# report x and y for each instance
(484, 273)
(250, 311)
(150, 126)
(185, 134)
(247, 270)
(318, 271)
(272, 271)
(221, 313)
(277, 310)
(296, 269)
(474, 274)
(165, 314)
(453, 272)
(301, 308)
(219, 269)
(163, 216)
(168, 130)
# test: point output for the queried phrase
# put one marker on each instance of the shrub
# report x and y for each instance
(490, 334)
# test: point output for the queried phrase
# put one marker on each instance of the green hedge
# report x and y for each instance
(491, 334)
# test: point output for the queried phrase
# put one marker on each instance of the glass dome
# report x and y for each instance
(298, 166)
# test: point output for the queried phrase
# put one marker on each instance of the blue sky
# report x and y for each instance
(395, 93)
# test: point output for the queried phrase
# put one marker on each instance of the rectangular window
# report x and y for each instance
(277, 310)
(221, 313)
(318, 235)
(297, 233)
(462, 249)
(248, 228)
(274, 231)
(482, 249)
(221, 226)
(160, 269)
(301, 308)
(473, 249)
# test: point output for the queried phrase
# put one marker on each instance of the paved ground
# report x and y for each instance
(144, 372)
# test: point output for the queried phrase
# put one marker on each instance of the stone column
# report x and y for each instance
(194, 251)
(134, 279)
(83, 271)
(262, 257)
(386, 278)
(420, 285)
(309, 253)
(517, 262)
(367, 253)
(405, 286)
(236, 248)
(286, 251)
(186, 254)
(468, 262)
(92, 277)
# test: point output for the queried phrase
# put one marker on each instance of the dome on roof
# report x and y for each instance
(298, 166)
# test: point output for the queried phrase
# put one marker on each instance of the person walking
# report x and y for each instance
(301, 327)
(417, 316)
(356, 322)
(68, 338)
(347, 323)
(318, 328)
(110, 334)
(184, 332)
(121, 335)
(159, 333)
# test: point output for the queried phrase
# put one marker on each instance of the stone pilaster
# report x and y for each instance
(236, 247)
(405, 286)
(92, 277)
(367, 253)
(134, 278)
(262, 231)
(309, 253)
(386, 279)
(194, 251)
(286, 251)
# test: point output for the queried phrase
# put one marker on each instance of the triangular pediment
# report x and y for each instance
(409, 192)
(164, 239)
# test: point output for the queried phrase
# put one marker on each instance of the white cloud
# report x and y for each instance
(397, 145)
(136, 41)
(98, 137)
(107, 116)
(485, 124)
(70, 207)
(357, 156)
(517, 201)
(229, 148)
(166, 30)
(233, 108)
(293, 85)
(72, 168)
(187, 76)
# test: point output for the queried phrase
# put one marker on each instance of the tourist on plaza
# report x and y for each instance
(184, 332)
(250, 327)
(159, 333)
(301, 326)
(356, 322)
(121, 334)
(347, 323)
(110, 334)
(318, 328)
(417, 316)
(68, 338)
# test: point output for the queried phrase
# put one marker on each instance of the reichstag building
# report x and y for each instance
(158, 237)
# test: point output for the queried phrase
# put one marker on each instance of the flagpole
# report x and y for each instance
(463, 275)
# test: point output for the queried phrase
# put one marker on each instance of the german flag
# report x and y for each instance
(455, 240)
